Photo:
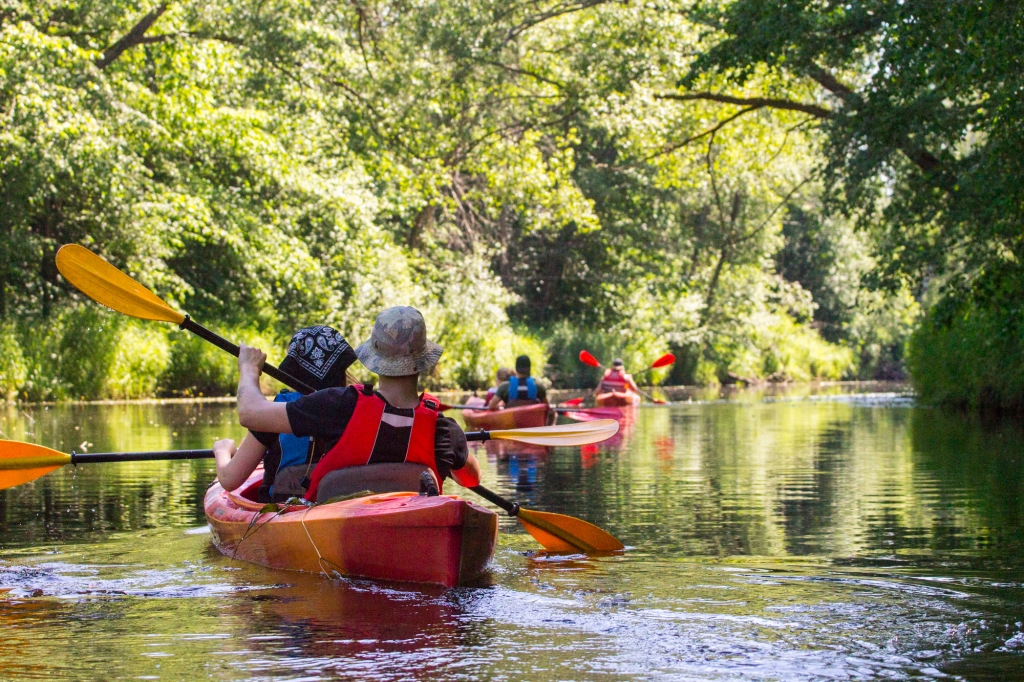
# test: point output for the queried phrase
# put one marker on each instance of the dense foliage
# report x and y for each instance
(920, 107)
(535, 176)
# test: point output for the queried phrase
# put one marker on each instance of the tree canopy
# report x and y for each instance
(763, 186)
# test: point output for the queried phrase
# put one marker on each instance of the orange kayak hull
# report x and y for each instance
(617, 399)
(522, 417)
(402, 537)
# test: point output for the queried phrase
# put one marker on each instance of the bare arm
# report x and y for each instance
(235, 464)
(469, 475)
(631, 383)
(255, 412)
(495, 403)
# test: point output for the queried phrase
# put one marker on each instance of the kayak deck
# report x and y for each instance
(391, 536)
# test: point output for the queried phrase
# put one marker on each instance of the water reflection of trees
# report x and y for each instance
(740, 478)
(798, 479)
(75, 503)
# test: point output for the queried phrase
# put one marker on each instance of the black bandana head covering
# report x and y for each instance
(319, 356)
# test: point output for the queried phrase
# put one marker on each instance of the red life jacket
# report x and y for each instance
(355, 447)
(614, 380)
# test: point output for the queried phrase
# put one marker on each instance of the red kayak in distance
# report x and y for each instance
(617, 399)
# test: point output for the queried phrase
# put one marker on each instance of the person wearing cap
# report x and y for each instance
(615, 380)
(358, 425)
(520, 389)
(317, 356)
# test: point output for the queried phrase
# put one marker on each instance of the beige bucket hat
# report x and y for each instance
(398, 345)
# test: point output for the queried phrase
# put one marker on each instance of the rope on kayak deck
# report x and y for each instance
(320, 560)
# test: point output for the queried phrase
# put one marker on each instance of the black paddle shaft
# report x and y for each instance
(162, 455)
(511, 507)
(98, 457)
(222, 343)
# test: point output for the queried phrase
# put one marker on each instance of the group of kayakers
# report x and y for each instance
(517, 387)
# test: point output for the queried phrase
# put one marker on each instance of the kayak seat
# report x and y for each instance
(288, 482)
(380, 478)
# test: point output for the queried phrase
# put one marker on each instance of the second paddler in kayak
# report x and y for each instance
(317, 356)
(358, 425)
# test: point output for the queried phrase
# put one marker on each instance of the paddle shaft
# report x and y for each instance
(202, 332)
(160, 455)
(99, 457)
(511, 507)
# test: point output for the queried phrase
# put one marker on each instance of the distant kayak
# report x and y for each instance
(509, 418)
(398, 536)
(617, 399)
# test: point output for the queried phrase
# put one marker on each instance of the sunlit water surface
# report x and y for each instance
(769, 538)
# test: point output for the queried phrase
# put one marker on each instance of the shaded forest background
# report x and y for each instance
(772, 189)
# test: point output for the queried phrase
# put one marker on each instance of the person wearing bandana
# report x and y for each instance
(318, 356)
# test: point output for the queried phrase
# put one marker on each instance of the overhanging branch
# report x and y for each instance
(813, 110)
(136, 36)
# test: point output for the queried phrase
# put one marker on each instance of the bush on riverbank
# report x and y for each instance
(970, 356)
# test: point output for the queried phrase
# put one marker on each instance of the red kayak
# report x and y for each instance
(617, 399)
(509, 418)
(399, 536)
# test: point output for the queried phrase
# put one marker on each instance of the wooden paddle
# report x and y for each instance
(105, 284)
(24, 462)
(667, 359)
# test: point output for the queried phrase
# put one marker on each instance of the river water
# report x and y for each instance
(783, 537)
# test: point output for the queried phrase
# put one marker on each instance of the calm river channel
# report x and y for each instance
(815, 534)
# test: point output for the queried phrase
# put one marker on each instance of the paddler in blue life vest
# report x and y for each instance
(317, 356)
(358, 425)
(520, 389)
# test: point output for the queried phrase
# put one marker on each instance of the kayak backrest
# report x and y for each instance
(379, 478)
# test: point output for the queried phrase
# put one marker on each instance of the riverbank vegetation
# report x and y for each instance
(771, 190)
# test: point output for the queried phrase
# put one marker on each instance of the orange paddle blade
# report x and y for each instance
(588, 359)
(561, 533)
(664, 361)
(24, 462)
(105, 284)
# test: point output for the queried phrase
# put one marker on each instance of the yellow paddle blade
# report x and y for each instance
(561, 533)
(583, 433)
(105, 284)
(24, 462)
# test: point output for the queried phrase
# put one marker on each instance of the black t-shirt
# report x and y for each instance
(324, 415)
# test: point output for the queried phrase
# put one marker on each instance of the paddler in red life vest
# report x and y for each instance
(317, 356)
(615, 380)
(520, 389)
(360, 426)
